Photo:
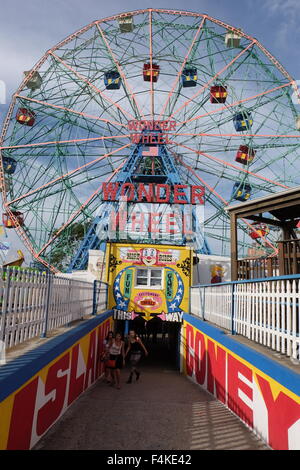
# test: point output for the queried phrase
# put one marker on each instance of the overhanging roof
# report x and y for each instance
(284, 206)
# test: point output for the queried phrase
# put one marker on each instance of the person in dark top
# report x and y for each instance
(134, 348)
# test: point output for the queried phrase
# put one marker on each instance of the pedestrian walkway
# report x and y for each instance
(163, 411)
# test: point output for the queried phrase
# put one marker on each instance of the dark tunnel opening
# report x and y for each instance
(161, 339)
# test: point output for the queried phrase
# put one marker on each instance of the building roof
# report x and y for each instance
(284, 205)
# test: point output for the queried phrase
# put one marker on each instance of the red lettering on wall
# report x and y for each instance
(200, 358)
(101, 334)
(283, 412)
(91, 360)
(103, 330)
(49, 413)
(189, 347)
(216, 368)
(234, 384)
(20, 430)
(76, 383)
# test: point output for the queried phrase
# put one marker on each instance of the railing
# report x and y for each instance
(289, 256)
(287, 263)
(265, 310)
(254, 268)
(33, 303)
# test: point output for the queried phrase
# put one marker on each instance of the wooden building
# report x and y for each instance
(281, 210)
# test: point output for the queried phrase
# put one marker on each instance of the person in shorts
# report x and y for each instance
(135, 348)
(116, 359)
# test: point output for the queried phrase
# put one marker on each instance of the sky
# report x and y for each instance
(29, 28)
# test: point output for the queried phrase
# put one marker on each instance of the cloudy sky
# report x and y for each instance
(29, 28)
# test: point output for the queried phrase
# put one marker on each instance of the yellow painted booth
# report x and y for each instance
(148, 281)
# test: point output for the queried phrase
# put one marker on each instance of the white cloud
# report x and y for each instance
(286, 19)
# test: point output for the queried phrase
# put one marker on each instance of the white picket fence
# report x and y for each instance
(34, 303)
(265, 311)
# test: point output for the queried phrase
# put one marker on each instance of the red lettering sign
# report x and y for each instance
(110, 191)
(145, 192)
(178, 194)
(165, 198)
(197, 192)
(128, 191)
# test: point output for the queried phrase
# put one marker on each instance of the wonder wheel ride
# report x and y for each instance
(232, 104)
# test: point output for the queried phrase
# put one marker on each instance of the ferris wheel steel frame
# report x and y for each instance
(138, 113)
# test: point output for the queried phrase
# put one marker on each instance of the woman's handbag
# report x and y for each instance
(111, 363)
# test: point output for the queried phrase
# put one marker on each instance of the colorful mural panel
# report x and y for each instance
(148, 281)
(261, 392)
(29, 409)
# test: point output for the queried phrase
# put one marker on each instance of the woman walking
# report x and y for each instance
(116, 358)
(105, 356)
(135, 348)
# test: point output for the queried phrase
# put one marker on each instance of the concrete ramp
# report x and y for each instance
(163, 411)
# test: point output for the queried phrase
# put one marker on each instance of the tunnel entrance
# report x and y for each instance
(161, 339)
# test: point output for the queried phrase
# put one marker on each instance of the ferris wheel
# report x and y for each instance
(233, 107)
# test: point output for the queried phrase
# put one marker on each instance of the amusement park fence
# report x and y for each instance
(263, 310)
(34, 303)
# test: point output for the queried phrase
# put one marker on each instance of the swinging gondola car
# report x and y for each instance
(126, 24)
(241, 191)
(245, 155)
(261, 230)
(112, 80)
(242, 121)
(25, 116)
(232, 39)
(218, 94)
(8, 222)
(34, 82)
(298, 123)
(148, 72)
(9, 165)
(189, 77)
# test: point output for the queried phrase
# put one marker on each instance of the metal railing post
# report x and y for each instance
(232, 308)
(94, 297)
(70, 303)
(44, 334)
(5, 301)
(106, 296)
(202, 302)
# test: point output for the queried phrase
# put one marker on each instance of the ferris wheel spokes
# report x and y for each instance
(87, 82)
(182, 67)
